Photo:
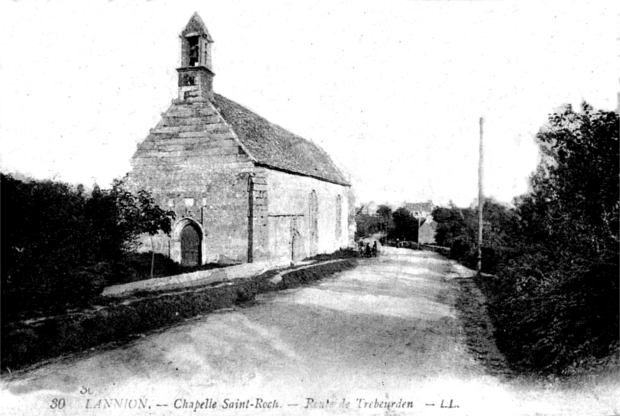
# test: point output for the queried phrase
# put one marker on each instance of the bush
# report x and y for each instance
(549, 325)
(61, 245)
(405, 226)
(555, 298)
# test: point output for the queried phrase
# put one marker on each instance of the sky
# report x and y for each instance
(392, 90)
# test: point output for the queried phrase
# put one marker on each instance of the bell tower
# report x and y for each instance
(196, 73)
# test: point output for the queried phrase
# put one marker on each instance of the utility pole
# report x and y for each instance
(419, 216)
(480, 203)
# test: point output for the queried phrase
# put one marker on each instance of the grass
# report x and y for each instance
(138, 267)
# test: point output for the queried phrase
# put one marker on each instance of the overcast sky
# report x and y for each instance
(392, 90)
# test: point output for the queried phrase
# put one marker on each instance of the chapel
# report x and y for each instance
(243, 189)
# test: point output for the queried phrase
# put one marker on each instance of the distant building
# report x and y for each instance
(423, 211)
(243, 189)
(428, 230)
(369, 208)
(419, 209)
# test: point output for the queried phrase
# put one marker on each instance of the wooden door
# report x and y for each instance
(297, 249)
(190, 246)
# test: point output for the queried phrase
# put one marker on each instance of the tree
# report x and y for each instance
(457, 228)
(559, 295)
(62, 245)
(405, 225)
(554, 299)
(153, 220)
(450, 224)
(385, 213)
(576, 183)
(123, 216)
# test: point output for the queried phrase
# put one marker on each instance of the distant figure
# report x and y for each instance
(367, 250)
(374, 249)
(361, 248)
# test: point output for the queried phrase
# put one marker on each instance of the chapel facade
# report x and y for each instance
(243, 189)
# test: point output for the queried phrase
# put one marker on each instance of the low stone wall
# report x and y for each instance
(438, 249)
(199, 278)
(202, 277)
(27, 342)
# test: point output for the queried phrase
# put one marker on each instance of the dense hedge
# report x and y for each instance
(397, 225)
(555, 326)
(457, 228)
(61, 245)
(554, 297)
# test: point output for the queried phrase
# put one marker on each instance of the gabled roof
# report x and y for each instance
(419, 206)
(273, 146)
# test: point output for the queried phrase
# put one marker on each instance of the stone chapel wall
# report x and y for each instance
(191, 163)
(218, 204)
(288, 216)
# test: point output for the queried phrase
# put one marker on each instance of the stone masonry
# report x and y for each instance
(243, 189)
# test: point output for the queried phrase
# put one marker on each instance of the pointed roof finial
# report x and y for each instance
(196, 26)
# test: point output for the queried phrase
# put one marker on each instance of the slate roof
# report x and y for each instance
(273, 146)
(419, 206)
(196, 24)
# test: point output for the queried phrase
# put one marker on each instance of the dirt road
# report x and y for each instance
(384, 338)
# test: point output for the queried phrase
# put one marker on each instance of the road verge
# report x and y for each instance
(33, 342)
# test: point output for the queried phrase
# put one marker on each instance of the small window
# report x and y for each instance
(188, 80)
(189, 202)
(240, 150)
(170, 203)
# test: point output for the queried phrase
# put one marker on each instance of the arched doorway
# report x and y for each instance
(191, 240)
